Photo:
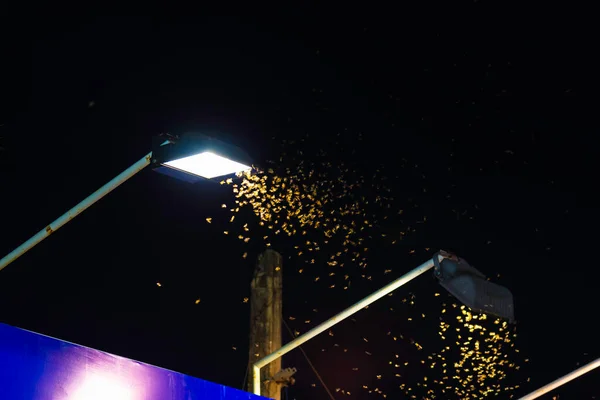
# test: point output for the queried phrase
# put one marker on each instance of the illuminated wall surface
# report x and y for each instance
(37, 367)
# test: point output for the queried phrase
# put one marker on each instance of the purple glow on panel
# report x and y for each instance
(37, 367)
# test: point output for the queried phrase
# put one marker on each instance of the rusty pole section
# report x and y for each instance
(266, 319)
(276, 355)
(75, 211)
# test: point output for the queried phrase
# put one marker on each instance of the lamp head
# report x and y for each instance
(471, 287)
(193, 156)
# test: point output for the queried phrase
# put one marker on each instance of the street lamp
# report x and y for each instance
(190, 157)
(196, 157)
(462, 280)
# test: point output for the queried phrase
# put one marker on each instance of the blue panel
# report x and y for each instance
(37, 367)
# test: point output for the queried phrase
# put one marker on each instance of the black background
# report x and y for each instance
(497, 110)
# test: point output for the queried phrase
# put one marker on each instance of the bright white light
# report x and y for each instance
(97, 387)
(207, 165)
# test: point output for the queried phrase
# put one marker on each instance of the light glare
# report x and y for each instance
(207, 165)
(98, 387)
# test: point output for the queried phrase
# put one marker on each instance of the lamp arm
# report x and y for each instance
(384, 291)
(75, 211)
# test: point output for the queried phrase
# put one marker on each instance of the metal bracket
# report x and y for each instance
(169, 139)
(437, 270)
(284, 377)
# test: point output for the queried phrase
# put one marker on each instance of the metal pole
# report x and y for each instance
(75, 211)
(561, 381)
(336, 319)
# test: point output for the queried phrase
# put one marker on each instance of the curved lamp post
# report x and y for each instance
(191, 157)
(463, 281)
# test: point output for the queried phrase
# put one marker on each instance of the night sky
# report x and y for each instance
(480, 131)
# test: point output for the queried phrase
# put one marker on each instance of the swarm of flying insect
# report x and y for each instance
(472, 359)
(327, 216)
(328, 212)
